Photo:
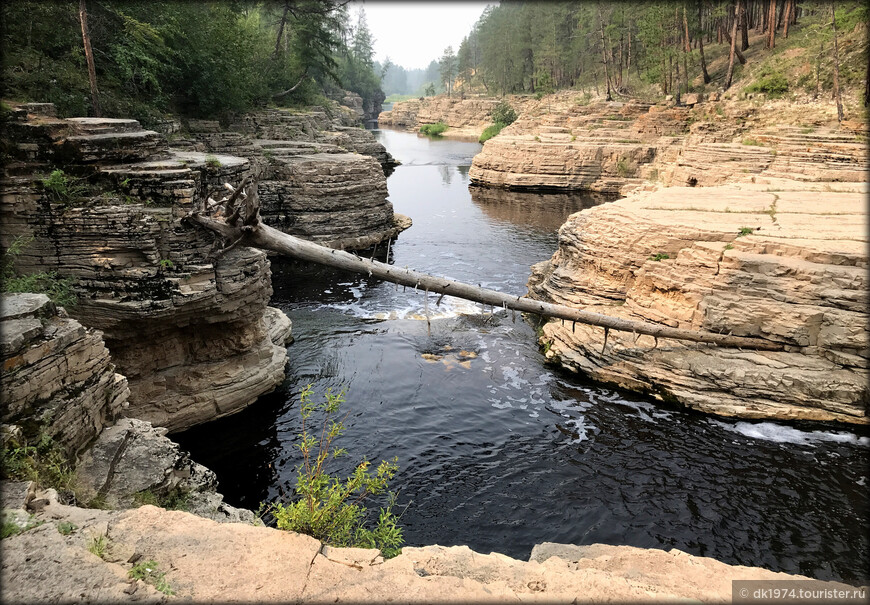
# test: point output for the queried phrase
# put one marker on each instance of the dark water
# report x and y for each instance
(499, 451)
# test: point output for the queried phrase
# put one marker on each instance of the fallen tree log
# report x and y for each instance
(243, 227)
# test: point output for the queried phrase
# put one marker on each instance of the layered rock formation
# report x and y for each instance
(316, 180)
(561, 143)
(58, 380)
(41, 564)
(464, 117)
(776, 265)
(190, 333)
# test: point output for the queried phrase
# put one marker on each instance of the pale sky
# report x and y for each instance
(414, 33)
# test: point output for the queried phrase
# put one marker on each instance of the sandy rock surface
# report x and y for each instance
(675, 256)
(205, 561)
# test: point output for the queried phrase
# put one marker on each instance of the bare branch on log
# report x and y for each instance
(252, 232)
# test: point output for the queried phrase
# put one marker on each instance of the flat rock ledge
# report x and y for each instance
(776, 263)
(206, 561)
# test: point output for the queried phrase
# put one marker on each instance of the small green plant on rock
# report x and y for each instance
(745, 231)
(97, 546)
(45, 463)
(58, 289)
(729, 246)
(65, 528)
(327, 507)
(11, 528)
(175, 499)
(62, 188)
(623, 169)
(149, 572)
(659, 256)
(212, 162)
(166, 264)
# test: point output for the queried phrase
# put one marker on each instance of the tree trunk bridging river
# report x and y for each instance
(242, 226)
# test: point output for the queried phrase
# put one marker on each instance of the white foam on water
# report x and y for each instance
(779, 433)
(581, 428)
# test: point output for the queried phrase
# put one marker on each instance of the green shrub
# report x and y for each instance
(435, 129)
(772, 84)
(65, 528)
(45, 463)
(212, 162)
(503, 113)
(491, 131)
(659, 256)
(623, 169)
(58, 289)
(327, 507)
(745, 231)
(62, 188)
(175, 499)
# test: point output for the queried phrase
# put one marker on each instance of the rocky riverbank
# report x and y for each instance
(189, 332)
(781, 265)
(465, 118)
(744, 217)
(54, 560)
(564, 142)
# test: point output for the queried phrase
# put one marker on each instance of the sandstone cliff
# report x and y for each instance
(189, 333)
(562, 142)
(58, 380)
(260, 564)
(316, 179)
(798, 276)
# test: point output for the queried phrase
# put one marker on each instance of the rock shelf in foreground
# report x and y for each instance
(205, 561)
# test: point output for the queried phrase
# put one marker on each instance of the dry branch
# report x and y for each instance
(252, 232)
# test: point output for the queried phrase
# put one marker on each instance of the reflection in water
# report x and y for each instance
(446, 174)
(496, 449)
(545, 210)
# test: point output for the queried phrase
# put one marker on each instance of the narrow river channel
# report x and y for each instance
(498, 450)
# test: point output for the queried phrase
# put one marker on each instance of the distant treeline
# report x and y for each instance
(527, 47)
(205, 59)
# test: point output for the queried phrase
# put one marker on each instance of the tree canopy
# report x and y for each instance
(205, 59)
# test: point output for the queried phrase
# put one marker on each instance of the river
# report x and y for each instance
(498, 450)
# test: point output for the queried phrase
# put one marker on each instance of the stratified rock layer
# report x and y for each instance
(563, 143)
(317, 180)
(187, 331)
(675, 256)
(261, 564)
(58, 379)
(464, 117)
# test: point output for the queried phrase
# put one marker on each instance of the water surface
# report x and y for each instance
(498, 450)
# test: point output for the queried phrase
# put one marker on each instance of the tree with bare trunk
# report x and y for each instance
(731, 54)
(89, 56)
(701, 44)
(771, 23)
(837, 97)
